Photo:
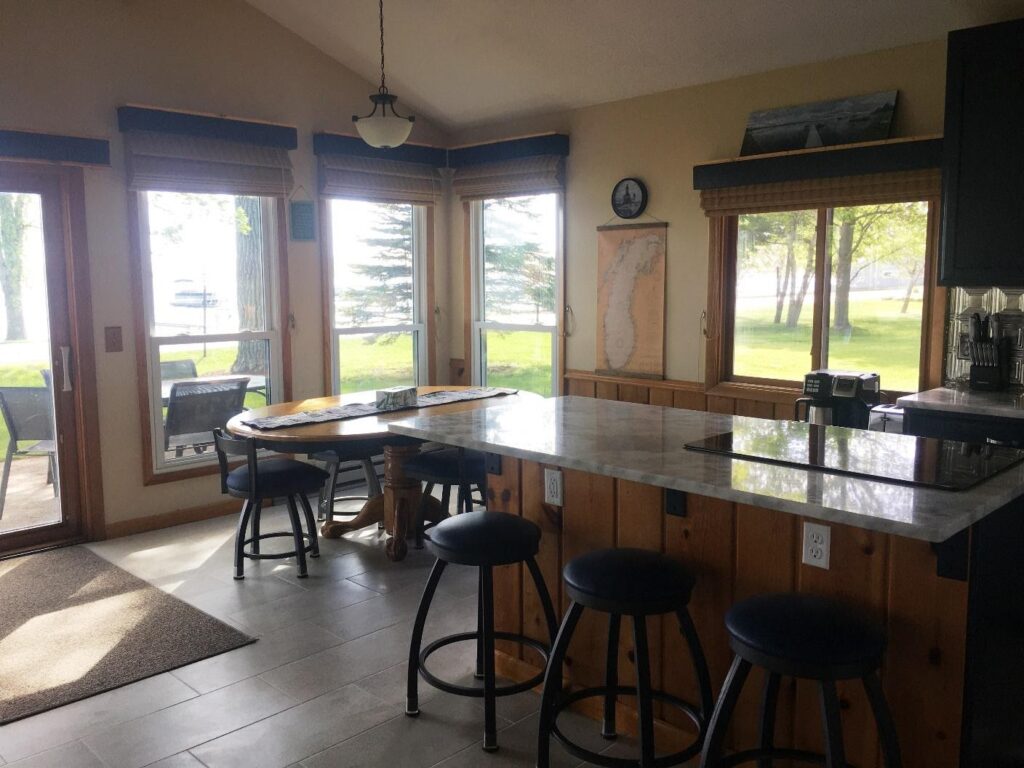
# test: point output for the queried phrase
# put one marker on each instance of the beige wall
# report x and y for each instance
(659, 139)
(68, 64)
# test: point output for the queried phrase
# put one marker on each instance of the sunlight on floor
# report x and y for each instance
(28, 665)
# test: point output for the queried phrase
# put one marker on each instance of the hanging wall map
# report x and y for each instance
(631, 300)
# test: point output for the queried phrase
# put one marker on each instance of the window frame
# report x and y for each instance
(422, 327)
(719, 329)
(147, 346)
(477, 326)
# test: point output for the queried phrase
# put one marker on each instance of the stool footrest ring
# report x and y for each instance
(466, 690)
(773, 753)
(275, 555)
(663, 761)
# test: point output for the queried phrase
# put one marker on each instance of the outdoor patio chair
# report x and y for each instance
(177, 369)
(196, 408)
(28, 414)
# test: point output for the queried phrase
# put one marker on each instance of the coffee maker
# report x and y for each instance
(838, 398)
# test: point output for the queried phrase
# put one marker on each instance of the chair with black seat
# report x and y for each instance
(196, 408)
(625, 582)
(448, 468)
(807, 637)
(259, 480)
(483, 540)
(28, 414)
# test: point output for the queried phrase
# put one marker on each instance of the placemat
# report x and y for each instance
(357, 410)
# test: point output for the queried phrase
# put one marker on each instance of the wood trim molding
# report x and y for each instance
(467, 291)
(284, 298)
(430, 300)
(672, 384)
(167, 519)
(326, 302)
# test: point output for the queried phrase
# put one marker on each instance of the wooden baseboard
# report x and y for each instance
(167, 519)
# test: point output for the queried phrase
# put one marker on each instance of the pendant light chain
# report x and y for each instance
(383, 83)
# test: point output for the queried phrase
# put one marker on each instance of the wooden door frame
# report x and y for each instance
(67, 183)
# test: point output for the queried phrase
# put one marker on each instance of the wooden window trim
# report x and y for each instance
(149, 474)
(719, 379)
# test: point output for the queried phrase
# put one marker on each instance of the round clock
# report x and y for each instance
(629, 198)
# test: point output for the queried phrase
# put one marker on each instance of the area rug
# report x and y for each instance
(73, 625)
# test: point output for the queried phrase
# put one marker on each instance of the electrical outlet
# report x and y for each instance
(553, 487)
(817, 545)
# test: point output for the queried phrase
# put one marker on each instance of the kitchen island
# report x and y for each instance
(899, 552)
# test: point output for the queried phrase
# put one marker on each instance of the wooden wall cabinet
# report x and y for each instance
(983, 158)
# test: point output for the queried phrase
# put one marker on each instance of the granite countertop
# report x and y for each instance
(645, 443)
(1006, 404)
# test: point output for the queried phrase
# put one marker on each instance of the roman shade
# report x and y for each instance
(507, 178)
(173, 162)
(866, 189)
(386, 181)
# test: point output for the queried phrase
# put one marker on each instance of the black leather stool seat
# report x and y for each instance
(629, 581)
(279, 477)
(442, 467)
(806, 636)
(484, 538)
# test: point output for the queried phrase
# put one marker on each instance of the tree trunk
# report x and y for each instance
(796, 304)
(910, 289)
(252, 355)
(842, 269)
(787, 277)
(12, 246)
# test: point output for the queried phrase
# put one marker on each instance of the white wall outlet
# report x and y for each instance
(817, 544)
(553, 487)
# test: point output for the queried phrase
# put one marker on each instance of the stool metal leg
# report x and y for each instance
(553, 683)
(300, 542)
(421, 514)
(256, 509)
(700, 664)
(611, 675)
(715, 740)
(884, 721)
(412, 705)
(490, 715)
(545, 600)
(325, 509)
(835, 756)
(314, 542)
(479, 672)
(769, 706)
(645, 701)
(243, 526)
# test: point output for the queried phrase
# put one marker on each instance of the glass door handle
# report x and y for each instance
(65, 355)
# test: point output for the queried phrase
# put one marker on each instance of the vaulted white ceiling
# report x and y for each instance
(465, 62)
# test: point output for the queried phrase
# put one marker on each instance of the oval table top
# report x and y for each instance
(362, 428)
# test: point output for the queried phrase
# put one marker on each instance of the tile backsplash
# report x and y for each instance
(963, 302)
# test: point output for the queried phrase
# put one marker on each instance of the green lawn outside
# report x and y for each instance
(883, 340)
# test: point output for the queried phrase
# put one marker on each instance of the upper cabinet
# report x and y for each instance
(983, 158)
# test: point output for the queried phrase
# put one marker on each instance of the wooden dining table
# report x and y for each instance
(364, 436)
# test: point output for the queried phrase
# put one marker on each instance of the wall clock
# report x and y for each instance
(629, 198)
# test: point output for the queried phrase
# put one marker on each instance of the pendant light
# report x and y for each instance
(387, 128)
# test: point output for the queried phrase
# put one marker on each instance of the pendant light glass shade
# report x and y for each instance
(383, 127)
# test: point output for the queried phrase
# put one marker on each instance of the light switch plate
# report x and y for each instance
(817, 545)
(553, 487)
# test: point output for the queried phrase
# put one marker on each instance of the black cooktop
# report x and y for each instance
(921, 461)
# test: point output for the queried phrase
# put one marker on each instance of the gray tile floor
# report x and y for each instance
(324, 687)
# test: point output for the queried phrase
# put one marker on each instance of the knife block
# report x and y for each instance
(991, 378)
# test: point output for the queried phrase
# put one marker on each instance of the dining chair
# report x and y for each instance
(257, 480)
(28, 414)
(196, 408)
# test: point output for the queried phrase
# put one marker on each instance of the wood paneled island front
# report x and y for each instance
(629, 481)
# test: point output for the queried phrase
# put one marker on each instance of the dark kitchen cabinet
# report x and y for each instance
(983, 158)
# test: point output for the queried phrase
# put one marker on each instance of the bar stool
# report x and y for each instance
(448, 468)
(636, 583)
(484, 540)
(256, 481)
(803, 636)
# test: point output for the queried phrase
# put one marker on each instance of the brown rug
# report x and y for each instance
(73, 625)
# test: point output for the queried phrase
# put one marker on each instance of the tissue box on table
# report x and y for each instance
(396, 397)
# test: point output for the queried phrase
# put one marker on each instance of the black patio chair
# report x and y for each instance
(177, 369)
(196, 408)
(28, 414)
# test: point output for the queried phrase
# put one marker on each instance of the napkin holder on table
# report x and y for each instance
(396, 397)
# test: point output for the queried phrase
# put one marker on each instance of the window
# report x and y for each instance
(377, 262)
(837, 287)
(516, 247)
(212, 318)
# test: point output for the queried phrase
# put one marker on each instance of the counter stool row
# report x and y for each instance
(786, 635)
